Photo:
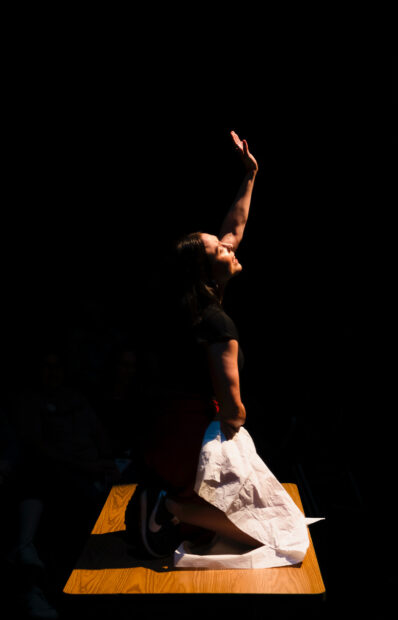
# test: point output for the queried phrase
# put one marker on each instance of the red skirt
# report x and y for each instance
(175, 441)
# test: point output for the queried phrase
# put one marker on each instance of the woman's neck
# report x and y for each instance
(220, 288)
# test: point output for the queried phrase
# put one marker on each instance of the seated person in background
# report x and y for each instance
(67, 458)
(120, 401)
(59, 426)
(10, 450)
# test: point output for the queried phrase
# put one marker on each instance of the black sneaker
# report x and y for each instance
(159, 528)
(132, 517)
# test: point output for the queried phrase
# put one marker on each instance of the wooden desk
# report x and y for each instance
(107, 557)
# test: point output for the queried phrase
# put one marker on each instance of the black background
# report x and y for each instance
(109, 162)
(113, 152)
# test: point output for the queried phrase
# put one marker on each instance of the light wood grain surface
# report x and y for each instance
(304, 578)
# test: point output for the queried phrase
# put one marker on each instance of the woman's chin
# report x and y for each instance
(238, 268)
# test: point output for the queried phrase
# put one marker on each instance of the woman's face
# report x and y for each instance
(224, 262)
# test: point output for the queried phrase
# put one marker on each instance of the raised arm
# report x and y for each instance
(234, 223)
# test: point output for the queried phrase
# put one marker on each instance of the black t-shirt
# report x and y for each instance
(187, 370)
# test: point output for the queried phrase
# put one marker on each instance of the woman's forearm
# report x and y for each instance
(235, 221)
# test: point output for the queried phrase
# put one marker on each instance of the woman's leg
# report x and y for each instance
(204, 515)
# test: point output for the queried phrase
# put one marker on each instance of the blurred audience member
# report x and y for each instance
(10, 451)
(67, 465)
(121, 404)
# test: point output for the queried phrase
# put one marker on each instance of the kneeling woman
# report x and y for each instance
(204, 385)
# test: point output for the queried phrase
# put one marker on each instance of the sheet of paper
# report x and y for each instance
(232, 477)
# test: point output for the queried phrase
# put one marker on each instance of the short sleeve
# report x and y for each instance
(216, 326)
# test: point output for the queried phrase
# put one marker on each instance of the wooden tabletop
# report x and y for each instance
(107, 546)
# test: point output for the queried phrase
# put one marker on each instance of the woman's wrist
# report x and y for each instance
(237, 421)
(234, 424)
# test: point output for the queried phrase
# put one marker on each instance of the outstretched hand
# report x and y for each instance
(248, 160)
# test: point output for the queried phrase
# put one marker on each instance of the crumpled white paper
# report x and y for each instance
(232, 477)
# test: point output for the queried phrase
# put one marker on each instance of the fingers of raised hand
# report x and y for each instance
(237, 140)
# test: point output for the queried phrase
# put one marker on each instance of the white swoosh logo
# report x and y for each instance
(153, 526)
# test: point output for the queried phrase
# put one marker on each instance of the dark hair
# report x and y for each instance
(195, 287)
